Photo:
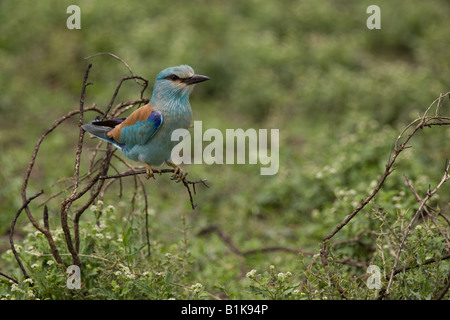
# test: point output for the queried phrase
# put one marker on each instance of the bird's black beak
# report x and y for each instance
(196, 78)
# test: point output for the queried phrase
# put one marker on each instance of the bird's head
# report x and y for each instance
(176, 82)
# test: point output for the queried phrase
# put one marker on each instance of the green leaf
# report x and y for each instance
(126, 236)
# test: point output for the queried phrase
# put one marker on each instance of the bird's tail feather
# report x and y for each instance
(101, 133)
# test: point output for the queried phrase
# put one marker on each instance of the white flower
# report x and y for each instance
(50, 262)
(197, 287)
(168, 255)
(28, 280)
(34, 266)
(58, 232)
(14, 287)
(251, 274)
(34, 252)
(110, 209)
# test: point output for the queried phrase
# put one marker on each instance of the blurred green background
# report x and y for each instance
(338, 92)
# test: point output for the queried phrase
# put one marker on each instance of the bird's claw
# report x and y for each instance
(151, 172)
(178, 174)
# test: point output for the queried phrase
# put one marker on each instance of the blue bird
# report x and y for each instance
(145, 135)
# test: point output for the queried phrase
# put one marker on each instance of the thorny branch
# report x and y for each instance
(422, 204)
(401, 143)
(144, 83)
(11, 232)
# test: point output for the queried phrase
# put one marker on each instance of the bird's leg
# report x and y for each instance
(151, 171)
(178, 172)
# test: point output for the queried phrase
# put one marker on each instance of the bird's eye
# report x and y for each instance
(173, 77)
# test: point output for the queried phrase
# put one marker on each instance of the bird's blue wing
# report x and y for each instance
(141, 131)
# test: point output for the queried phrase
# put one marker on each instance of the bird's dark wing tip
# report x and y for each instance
(109, 123)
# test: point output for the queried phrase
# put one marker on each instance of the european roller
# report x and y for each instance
(145, 135)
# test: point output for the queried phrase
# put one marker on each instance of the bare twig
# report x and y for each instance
(11, 232)
(133, 76)
(427, 210)
(46, 231)
(227, 240)
(399, 145)
(147, 233)
(9, 277)
(422, 203)
(118, 88)
(66, 203)
(426, 262)
(186, 182)
(125, 106)
(444, 291)
(384, 294)
(115, 57)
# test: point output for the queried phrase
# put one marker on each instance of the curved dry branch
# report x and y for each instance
(11, 232)
(400, 144)
(227, 240)
(422, 204)
(94, 182)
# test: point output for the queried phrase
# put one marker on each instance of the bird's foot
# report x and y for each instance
(178, 173)
(151, 172)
